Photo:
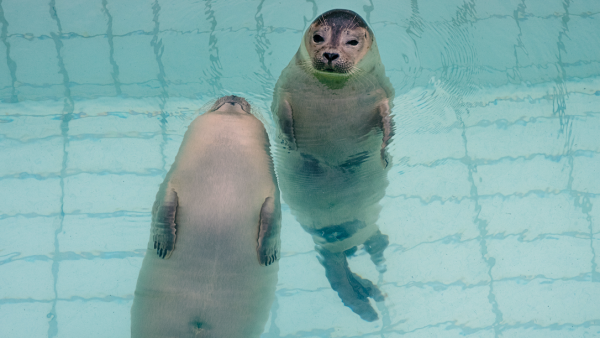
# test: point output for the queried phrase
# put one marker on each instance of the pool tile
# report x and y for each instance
(562, 331)
(135, 56)
(87, 60)
(554, 214)
(37, 62)
(318, 313)
(586, 170)
(121, 106)
(84, 17)
(27, 280)
(117, 124)
(5, 77)
(33, 157)
(93, 319)
(543, 302)
(584, 133)
(545, 8)
(446, 331)
(28, 236)
(30, 195)
(552, 257)
(445, 180)
(98, 278)
(497, 8)
(520, 176)
(184, 16)
(594, 212)
(508, 112)
(539, 37)
(294, 239)
(494, 39)
(585, 105)
(412, 308)
(49, 108)
(109, 193)
(410, 222)
(100, 234)
(304, 11)
(186, 57)
(131, 155)
(123, 11)
(582, 49)
(28, 16)
(442, 12)
(439, 262)
(391, 12)
(539, 137)
(440, 145)
(25, 320)
(579, 7)
(302, 272)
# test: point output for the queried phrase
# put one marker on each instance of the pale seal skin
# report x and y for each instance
(212, 261)
(332, 106)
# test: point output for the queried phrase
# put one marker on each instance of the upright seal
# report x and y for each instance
(332, 108)
(212, 261)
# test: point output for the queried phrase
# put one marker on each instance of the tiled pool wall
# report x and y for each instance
(493, 211)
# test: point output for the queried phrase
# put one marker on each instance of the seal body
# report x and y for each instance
(211, 266)
(332, 108)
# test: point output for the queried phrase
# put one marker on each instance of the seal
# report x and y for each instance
(331, 107)
(212, 260)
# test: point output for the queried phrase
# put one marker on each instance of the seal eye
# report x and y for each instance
(352, 42)
(318, 38)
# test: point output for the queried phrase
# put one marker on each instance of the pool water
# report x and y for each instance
(493, 205)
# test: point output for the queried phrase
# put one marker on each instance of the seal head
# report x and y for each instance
(337, 41)
(238, 103)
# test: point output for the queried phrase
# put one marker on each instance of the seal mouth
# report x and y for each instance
(232, 99)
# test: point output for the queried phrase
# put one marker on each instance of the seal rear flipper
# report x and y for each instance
(269, 227)
(163, 222)
(375, 246)
(353, 290)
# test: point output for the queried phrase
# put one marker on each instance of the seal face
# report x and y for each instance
(337, 40)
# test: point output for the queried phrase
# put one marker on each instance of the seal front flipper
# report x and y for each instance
(163, 222)
(269, 228)
(286, 123)
(388, 130)
(352, 289)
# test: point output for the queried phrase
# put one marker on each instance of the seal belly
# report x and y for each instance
(213, 283)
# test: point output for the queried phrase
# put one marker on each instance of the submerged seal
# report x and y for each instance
(211, 266)
(332, 107)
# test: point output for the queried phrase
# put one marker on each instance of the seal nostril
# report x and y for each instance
(331, 56)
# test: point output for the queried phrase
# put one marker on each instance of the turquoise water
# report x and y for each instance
(493, 207)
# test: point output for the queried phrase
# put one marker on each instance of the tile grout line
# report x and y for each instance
(12, 65)
(64, 126)
(214, 78)
(110, 37)
(158, 48)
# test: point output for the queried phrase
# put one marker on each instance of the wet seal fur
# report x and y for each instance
(332, 107)
(212, 260)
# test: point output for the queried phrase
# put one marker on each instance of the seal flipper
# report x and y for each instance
(352, 289)
(269, 227)
(388, 130)
(375, 246)
(163, 222)
(286, 123)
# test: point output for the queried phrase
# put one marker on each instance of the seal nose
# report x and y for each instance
(331, 56)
